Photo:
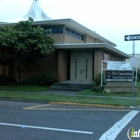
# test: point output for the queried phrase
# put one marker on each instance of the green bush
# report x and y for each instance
(97, 88)
(96, 84)
(97, 80)
(32, 80)
(46, 78)
(6, 80)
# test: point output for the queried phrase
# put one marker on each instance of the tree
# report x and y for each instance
(23, 45)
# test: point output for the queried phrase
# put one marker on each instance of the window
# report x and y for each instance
(72, 33)
(57, 30)
(82, 37)
(68, 31)
(78, 36)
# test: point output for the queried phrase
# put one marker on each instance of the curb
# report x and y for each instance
(92, 105)
(75, 104)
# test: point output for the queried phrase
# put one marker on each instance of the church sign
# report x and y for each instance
(118, 75)
(118, 71)
(116, 65)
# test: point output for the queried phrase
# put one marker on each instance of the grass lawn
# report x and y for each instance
(90, 92)
(66, 98)
(123, 94)
(23, 88)
(18, 95)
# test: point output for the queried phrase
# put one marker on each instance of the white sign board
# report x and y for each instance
(115, 65)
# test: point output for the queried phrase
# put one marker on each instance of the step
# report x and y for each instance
(70, 86)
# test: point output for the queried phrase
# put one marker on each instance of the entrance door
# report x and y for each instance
(81, 66)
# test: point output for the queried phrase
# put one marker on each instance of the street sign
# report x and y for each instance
(132, 37)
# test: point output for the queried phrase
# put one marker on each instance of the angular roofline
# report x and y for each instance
(72, 24)
(77, 26)
(103, 46)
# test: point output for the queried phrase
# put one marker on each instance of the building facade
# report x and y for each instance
(78, 52)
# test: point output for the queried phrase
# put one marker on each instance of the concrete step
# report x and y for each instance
(70, 86)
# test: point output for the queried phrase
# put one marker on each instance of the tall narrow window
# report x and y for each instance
(86, 67)
(75, 68)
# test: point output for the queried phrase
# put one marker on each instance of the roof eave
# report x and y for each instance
(103, 46)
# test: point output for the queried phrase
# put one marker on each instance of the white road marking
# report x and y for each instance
(38, 106)
(46, 128)
(112, 133)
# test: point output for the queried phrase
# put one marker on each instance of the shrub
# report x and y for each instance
(47, 78)
(106, 91)
(32, 80)
(6, 80)
(97, 88)
(97, 80)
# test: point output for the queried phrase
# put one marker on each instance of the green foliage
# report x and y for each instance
(97, 80)
(96, 84)
(32, 80)
(46, 78)
(97, 89)
(5, 80)
(106, 91)
(23, 45)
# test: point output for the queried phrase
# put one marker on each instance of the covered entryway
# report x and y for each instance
(81, 65)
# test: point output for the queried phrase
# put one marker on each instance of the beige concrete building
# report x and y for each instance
(80, 50)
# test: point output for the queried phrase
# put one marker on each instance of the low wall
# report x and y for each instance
(120, 86)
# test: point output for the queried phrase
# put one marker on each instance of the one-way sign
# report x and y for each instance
(132, 37)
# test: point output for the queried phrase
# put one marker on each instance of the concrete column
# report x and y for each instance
(98, 57)
(62, 65)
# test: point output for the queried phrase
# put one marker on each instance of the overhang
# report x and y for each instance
(72, 24)
(103, 46)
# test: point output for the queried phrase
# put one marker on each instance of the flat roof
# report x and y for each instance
(103, 46)
(72, 24)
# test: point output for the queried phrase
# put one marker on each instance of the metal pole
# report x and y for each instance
(133, 73)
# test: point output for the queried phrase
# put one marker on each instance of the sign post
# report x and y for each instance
(133, 74)
(132, 38)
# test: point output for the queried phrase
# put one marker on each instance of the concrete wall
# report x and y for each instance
(71, 39)
(98, 57)
(58, 38)
(62, 65)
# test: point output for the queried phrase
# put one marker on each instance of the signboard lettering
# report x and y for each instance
(114, 65)
(118, 75)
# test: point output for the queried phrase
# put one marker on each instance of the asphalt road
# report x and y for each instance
(35, 121)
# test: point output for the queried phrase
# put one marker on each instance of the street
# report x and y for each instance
(40, 121)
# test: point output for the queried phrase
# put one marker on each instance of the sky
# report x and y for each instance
(112, 19)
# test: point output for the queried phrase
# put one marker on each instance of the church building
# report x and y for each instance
(78, 50)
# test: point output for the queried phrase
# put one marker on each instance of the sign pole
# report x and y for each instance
(133, 73)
